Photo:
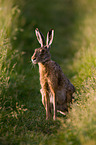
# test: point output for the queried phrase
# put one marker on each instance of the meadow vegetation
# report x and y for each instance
(22, 115)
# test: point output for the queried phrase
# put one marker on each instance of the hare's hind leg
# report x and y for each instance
(69, 100)
(62, 107)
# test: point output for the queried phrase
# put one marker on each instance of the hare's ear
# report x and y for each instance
(50, 36)
(40, 37)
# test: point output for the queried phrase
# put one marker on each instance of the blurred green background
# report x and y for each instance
(22, 115)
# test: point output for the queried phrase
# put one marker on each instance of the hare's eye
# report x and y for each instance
(42, 51)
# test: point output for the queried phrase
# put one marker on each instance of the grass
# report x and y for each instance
(22, 115)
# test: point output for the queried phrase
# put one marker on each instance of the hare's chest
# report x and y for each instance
(43, 77)
(44, 72)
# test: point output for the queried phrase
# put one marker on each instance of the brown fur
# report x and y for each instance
(56, 89)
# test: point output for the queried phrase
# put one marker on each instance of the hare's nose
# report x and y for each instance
(33, 58)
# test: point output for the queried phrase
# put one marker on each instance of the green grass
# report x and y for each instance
(22, 115)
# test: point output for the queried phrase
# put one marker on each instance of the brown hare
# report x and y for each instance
(56, 89)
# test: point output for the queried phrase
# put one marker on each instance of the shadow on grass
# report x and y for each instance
(40, 125)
